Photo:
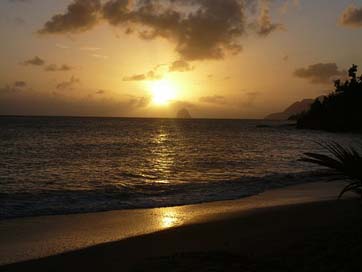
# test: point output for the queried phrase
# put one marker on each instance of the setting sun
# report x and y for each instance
(163, 91)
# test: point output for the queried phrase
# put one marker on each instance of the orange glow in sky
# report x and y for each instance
(162, 91)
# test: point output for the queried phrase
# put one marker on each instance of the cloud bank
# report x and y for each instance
(320, 73)
(200, 29)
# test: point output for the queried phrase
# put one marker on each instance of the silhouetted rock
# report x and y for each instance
(183, 114)
(294, 109)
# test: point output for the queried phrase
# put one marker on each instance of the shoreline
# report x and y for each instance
(38, 237)
(245, 187)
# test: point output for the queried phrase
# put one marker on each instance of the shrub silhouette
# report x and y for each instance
(344, 163)
(340, 110)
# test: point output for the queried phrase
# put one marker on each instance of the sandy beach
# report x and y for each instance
(272, 227)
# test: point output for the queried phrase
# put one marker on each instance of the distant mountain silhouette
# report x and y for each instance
(183, 114)
(295, 109)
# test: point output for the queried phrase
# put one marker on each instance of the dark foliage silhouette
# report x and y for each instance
(343, 162)
(340, 110)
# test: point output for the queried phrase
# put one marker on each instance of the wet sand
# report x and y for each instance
(250, 232)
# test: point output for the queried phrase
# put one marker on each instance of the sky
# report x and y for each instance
(152, 58)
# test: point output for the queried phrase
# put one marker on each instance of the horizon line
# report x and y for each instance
(122, 117)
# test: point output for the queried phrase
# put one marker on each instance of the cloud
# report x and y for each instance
(265, 26)
(17, 86)
(20, 84)
(81, 15)
(89, 48)
(56, 68)
(138, 77)
(98, 56)
(216, 99)
(68, 85)
(180, 66)
(139, 102)
(62, 46)
(151, 75)
(320, 73)
(351, 17)
(100, 92)
(207, 33)
(156, 74)
(36, 61)
(199, 29)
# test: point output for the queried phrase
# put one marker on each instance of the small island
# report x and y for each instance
(183, 114)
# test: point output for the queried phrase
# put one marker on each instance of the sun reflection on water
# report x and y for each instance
(162, 156)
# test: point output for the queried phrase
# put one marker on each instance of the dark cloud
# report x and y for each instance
(208, 32)
(20, 84)
(216, 99)
(56, 68)
(36, 61)
(180, 66)
(81, 15)
(352, 17)
(117, 12)
(68, 85)
(200, 29)
(320, 73)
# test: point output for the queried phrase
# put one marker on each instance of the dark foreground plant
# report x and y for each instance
(345, 162)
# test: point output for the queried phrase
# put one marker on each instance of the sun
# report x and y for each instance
(163, 92)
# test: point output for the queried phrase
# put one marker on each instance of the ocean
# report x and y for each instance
(62, 165)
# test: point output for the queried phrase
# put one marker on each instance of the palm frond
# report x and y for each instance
(344, 161)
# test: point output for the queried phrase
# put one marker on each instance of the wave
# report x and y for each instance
(144, 195)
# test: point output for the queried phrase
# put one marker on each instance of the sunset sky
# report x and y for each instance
(151, 58)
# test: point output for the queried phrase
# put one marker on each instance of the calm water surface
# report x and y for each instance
(70, 165)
